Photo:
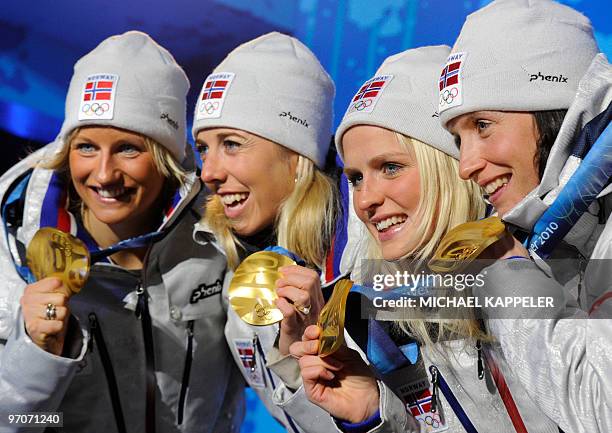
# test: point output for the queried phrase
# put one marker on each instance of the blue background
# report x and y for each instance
(40, 41)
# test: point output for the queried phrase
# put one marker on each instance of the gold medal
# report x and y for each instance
(331, 319)
(53, 253)
(252, 291)
(466, 242)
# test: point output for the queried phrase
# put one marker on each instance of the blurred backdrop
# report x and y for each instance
(41, 40)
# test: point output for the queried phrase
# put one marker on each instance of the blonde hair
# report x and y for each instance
(164, 161)
(445, 202)
(305, 221)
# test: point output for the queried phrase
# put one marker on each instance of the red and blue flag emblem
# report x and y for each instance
(213, 94)
(247, 356)
(368, 94)
(422, 404)
(214, 89)
(98, 98)
(450, 84)
(450, 75)
(369, 90)
(98, 90)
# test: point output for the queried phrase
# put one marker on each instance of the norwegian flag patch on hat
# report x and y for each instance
(449, 83)
(212, 96)
(368, 94)
(98, 98)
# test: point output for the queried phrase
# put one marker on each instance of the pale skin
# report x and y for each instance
(385, 183)
(47, 334)
(298, 286)
(261, 173)
(341, 384)
(499, 146)
(116, 178)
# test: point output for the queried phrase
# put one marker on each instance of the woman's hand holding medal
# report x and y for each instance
(60, 264)
(44, 305)
(300, 301)
(341, 383)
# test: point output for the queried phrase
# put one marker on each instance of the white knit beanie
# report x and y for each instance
(516, 55)
(130, 82)
(401, 98)
(274, 87)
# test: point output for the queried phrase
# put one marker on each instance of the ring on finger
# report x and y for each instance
(302, 309)
(51, 312)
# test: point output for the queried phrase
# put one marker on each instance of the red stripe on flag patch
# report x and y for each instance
(454, 66)
(105, 84)
(452, 80)
(104, 96)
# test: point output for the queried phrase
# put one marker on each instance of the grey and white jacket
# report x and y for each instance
(113, 360)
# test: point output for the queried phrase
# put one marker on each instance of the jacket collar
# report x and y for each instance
(593, 96)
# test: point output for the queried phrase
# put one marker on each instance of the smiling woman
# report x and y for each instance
(120, 178)
(386, 188)
(498, 152)
(263, 127)
(252, 176)
(533, 143)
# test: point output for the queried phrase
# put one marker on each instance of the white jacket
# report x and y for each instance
(565, 361)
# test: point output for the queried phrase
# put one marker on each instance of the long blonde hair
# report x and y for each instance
(445, 202)
(304, 224)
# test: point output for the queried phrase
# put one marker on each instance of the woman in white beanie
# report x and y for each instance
(263, 125)
(431, 368)
(119, 176)
(527, 97)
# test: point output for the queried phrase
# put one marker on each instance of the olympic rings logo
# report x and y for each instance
(261, 312)
(209, 107)
(432, 421)
(95, 109)
(448, 96)
(362, 105)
